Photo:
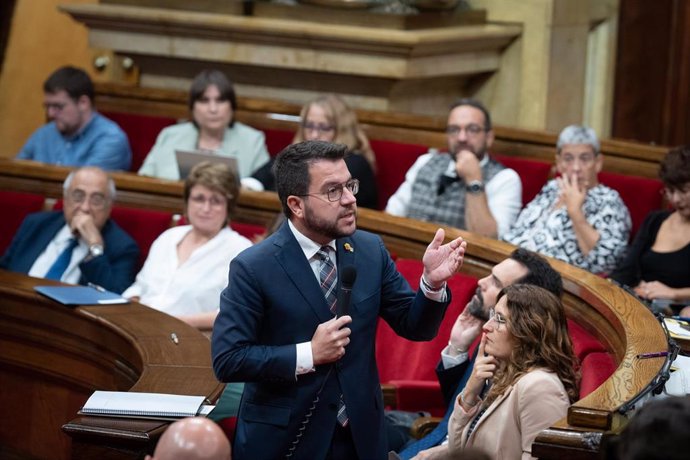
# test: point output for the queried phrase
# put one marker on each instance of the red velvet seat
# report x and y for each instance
(277, 140)
(393, 159)
(410, 365)
(533, 174)
(640, 194)
(144, 225)
(142, 131)
(14, 207)
(596, 368)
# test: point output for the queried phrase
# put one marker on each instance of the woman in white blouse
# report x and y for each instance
(187, 266)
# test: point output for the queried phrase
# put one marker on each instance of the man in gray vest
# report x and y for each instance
(464, 187)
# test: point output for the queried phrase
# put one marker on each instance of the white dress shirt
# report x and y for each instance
(503, 192)
(50, 254)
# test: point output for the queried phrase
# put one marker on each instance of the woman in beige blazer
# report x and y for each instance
(526, 362)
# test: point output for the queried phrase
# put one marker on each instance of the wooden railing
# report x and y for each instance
(614, 317)
(53, 357)
(619, 156)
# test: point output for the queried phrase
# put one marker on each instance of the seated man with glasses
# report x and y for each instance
(76, 134)
(574, 218)
(464, 187)
(80, 244)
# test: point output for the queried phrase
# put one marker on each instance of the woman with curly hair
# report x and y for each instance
(527, 368)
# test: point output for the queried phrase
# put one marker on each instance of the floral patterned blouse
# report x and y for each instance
(547, 229)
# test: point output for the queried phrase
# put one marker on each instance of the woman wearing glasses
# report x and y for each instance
(524, 378)
(185, 270)
(657, 265)
(328, 118)
(574, 218)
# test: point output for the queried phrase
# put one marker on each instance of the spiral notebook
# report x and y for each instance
(144, 405)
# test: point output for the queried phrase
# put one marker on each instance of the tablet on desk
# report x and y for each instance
(187, 159)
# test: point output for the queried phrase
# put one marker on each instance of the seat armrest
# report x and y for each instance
(390, 395)
(423, 426)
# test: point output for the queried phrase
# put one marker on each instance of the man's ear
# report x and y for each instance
(296, 205)
(84, 102)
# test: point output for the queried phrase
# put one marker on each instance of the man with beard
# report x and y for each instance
(76, 134)
(312, 389)
(455, 366)
(464, 187)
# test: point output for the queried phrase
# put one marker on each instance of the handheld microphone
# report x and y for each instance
(347, 276)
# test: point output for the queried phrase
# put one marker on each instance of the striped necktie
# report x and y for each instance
(327, 277)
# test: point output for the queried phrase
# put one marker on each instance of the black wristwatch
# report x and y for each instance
(475, 187)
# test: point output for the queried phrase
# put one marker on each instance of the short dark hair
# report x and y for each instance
(657, 431)
(477, 105)
(291, 167)
(217, 177)
(209, 77)
(540, 272)
(72, 80)
(674, 170)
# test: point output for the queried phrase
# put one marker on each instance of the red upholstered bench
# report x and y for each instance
(277, 140)
(393, 159)
(410, 366)
(142, 131)
(640, 194)
(144, 225)
(533, 174)
(14, 207)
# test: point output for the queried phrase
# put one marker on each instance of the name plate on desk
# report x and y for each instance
(81, 295)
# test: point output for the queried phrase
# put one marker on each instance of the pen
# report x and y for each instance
(682, 318)
(655, 354)
(96, 287)
(174, 338)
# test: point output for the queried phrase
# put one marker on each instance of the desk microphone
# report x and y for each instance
(347, 276)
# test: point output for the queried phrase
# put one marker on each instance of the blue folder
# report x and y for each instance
(81, 295)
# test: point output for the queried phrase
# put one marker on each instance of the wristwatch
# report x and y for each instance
(95, 250)
(474, 187)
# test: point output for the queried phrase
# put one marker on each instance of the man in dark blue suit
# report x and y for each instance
(94, 249)
(456, 365)
(312, 389)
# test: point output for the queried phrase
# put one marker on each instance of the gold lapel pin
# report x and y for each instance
(348, 247)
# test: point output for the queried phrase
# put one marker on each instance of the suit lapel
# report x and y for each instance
(291, 258)
(491, 409)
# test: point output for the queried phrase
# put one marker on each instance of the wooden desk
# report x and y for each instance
(614, 317)
(53, 357)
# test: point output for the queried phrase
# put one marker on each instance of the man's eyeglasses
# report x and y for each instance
(321, 128)
(57, 106)
(96, 201)
(471, 130)
(499, 318)
(335, 192)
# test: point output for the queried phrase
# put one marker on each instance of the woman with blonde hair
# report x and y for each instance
(328, 118)
(526, 368)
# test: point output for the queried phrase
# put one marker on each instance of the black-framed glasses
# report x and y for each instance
(335, 192)
(471, 129)
(499, 318)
